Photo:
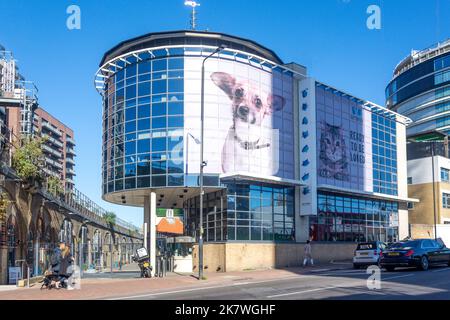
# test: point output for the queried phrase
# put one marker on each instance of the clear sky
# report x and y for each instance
(330, 37)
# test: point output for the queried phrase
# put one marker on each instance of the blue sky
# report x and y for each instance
(330, 37)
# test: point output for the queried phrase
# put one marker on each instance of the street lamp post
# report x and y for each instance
(434, 189)
(202, 163)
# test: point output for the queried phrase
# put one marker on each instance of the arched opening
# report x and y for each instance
(12, 243)
(83, 248)
(66, 234)
(97, 250)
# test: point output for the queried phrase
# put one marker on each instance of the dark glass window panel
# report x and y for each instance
(159, 123)
(242, 204)
(130, 170)
(159, 109)
(159, 86)
(143, 146)
(256, 234)
(144, 100)
(212, 181)
(176, 64)
(130, 92)
(130, 103)
(176, 74)
(118, 172)
(242, 233)
(130, 183)
(159, 65)
(144, 89)
(159, 144)
(158, 181)
(120, 95)
(176, 122)
(130, 126)
(131, 70)
(231, 233)
(143, 182)
(144, 111)
(176, 85)
(159, 167)
(145, 67)
(143, 169)
(130, 114)
(145, 77)
(130, 148)
(111, 187)
(176, 108)
(131, 81)
(120, 76)
(119, 185)
(176, 180)
(176, 167)
(144, 124)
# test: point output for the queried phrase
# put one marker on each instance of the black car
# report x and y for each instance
(415, 253)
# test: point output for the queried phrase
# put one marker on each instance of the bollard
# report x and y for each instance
(28, 276)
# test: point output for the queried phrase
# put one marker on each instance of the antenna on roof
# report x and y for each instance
(193, 5)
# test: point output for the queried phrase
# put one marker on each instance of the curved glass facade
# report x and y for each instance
(152, 118)
(143, 125)
(423, 94)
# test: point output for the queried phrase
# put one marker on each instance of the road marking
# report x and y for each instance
(398, 277)
(300, 292)
(203, 288)
(440, 270)
(328, 288)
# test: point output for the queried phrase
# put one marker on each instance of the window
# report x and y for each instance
(446, 201)
(410, 180)
(445, 175)
(410, 205)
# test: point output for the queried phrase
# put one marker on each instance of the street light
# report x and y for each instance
(203, 163)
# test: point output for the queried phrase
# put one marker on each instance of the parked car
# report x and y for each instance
(368, 253)
(420, 253)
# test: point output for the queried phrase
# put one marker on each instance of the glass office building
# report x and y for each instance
(420, 89)
(284, 153)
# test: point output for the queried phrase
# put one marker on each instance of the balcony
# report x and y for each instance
(48, 126)
(53, 140)
(51, 151)
(70, 171)
(53, 163)
(70, 151)
(70, 141)
(70, 161)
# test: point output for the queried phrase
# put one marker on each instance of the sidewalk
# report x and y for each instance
(110, 288)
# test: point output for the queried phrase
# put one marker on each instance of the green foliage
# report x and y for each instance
(110, 218)
(4, 202)
(28, 159)
(54, 185)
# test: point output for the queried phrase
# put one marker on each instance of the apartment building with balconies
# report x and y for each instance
(59, 146)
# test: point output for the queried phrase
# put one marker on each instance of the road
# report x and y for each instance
(347, 284)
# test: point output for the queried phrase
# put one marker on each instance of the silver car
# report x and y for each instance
(368, 253)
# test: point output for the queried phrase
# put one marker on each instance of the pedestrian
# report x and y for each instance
(65, 266)
(308, 254)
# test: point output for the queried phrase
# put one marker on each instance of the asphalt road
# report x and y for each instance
(402, 284)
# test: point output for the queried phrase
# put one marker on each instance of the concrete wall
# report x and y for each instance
(228, 257)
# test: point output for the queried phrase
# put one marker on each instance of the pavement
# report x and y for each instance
(328, 281)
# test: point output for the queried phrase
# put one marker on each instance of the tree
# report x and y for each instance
(4, 202)
(110, 218)
(54, 185)
(28, 159)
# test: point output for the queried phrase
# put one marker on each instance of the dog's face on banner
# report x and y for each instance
(249, 105)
